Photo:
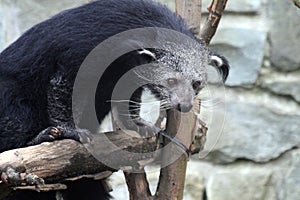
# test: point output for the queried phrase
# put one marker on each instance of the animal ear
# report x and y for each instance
(221, 64)
(147, 53)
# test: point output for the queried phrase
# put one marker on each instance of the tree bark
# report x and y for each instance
(190, 10)
(138, 186)
(215, 9)
(172, 175)
(64, 160)
(68, 160)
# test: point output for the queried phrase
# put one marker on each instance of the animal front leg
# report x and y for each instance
(59, 109)
(60, 132)
(47, 135)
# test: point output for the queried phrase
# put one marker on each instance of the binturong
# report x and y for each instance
(172, 79)
(38, 74)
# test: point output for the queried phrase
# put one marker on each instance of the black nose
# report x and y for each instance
(183, 107)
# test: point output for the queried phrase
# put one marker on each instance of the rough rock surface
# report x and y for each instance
(236, 6)
(284, 34)
(255, 133)
(244, 49)
(287, 88)
(239, 183)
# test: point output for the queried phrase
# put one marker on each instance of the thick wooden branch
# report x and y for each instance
(68, 160)
(64, 160)
(215, 9)
(138, 186)
(172, 175)
(190, 10)
(51, 161)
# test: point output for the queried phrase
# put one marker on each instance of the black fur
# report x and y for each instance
(54, 49)
(37, 72)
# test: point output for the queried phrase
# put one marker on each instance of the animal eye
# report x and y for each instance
(172, 81)
(196, 84)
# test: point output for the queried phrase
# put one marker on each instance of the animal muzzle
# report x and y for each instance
(184, 107)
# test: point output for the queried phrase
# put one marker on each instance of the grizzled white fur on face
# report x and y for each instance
(178, 74)
(189, 59)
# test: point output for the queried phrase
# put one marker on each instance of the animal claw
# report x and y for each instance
(11, 176)
(55, 132)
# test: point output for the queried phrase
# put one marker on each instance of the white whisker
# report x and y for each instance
(129, 115)
(130, 101)
(123, 101)
(142, 77)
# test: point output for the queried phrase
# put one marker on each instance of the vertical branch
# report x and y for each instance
(179, 125)
(172, 176)
(190, 10)
(183, 126)
(138, 186)
(215, 9)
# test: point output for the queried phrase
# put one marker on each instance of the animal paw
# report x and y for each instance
(61, 132)
(55, 132)
(47, 135)
(12, 177)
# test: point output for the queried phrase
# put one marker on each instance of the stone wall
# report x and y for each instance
(19, 15)
(257, 155)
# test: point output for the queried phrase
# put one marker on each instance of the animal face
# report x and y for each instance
(176, 91)
(160, 80)
(177, 78)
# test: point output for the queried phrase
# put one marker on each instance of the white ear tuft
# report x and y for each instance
(217, 60)
(147, 52)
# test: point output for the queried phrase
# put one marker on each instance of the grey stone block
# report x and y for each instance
(236, 6)
(20, 15)
(284, 34)
(244, 49)
(292, 180)
(239, 183)
(287, 88)
(255, 133)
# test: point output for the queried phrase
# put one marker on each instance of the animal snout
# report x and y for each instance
(184, 107)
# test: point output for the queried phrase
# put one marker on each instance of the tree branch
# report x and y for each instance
(172, 176)
(64, 160)
(215, 9)
(190, 10)
(68, 160)
(138, 186)
(297, 3)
